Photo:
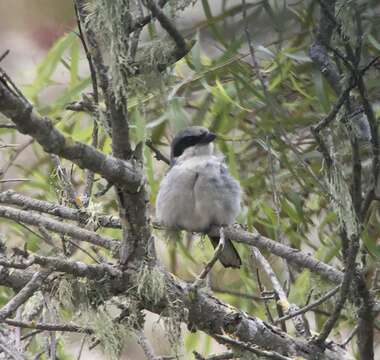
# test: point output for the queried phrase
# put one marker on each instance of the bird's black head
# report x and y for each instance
(190, 136)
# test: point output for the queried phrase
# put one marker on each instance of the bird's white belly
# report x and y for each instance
(195, 195)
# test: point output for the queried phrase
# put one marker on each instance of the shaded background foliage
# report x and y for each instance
(263, 115)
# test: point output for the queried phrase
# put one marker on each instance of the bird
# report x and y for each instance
(198, 192)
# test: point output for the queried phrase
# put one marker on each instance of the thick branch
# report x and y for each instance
(58, 227)
(12, 198)
(24, 294)
(141, 22)
(318, 51)
(209, 314)
(168, 26)
(53, 141)
(77, 268)
(294, 256)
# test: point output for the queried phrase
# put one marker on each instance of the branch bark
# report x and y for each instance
(53, 141)
(59, 227)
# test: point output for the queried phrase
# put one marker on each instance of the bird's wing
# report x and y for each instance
(175, 199)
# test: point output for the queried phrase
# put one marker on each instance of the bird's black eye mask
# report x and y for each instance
(179, 145)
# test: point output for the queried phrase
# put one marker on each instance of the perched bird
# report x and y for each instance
(198, 191)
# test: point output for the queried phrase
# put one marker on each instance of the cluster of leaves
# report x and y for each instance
(264, 116)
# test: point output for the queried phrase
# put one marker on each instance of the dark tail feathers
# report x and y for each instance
(229, 256)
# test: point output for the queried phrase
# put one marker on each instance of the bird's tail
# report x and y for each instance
(229, 256)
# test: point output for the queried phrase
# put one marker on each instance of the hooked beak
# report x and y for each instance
(209, 137)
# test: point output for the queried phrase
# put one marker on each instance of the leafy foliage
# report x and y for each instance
(263, 117)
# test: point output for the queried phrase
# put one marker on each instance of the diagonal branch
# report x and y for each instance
(59, 227)
(12, 198)
(168, 26)
(54, 142)
(24, 294)
(208, 314)
(294, 256)
(318, 50)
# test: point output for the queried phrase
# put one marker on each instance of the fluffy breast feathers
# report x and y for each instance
(196, 193)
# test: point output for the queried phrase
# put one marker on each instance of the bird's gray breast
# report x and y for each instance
(197, 193)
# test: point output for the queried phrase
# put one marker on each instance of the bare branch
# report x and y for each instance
(59, 227)
(225, 356)
(158, 154)
(283, 302)
(318, 51)
(52, 140)
(24, 294)
(210, 315)
(49, 327)
(292, 255)
(251, 348)
(27, 203)
(308, 307)
(169, 27)
(146, 346)
(211, 263)
(140, 23)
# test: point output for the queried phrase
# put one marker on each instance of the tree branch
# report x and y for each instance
(12, 198)
(59, 227)
(295, 256)
(24, 294)
(210, 315)
(49, 327)
(52, 141)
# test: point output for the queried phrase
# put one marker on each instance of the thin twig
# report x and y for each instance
(7, 126)
(241, 294)
(253, 55)
(83, 341)
(225, 356)
(14, 156)
(4, 55)
(89, 174)
(334, 111)
(181, 46)
(49, 327)
(251, 348)
(158, 154)
(211, 263)
(350, 336)
(3, 181)
(261, 288)
(146, 346)
(308, 307)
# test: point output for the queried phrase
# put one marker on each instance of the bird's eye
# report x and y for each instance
(180, 146)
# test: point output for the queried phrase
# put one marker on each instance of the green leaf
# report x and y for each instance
(321, 91)
(300, 288)
(298, 88)
(210, 20)
(139, 126)
(371, 244)
(374, 42)
(291, 211)
(299, 57)
(46, 69)
(74, 63)
(176, 114)
(70, 94)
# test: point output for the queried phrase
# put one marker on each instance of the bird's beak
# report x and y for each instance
(209, 137)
